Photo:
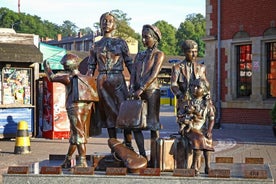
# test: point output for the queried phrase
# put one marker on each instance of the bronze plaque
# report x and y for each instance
(184, 172)
(83, 170)
(249, 160)
(150, 172)
(259, 174)
(219, 173)
(224, 159)
(18, 170)
(50, 170)
(116, 171)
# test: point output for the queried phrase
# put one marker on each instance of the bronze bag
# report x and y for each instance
(132, 114)
(84, 89)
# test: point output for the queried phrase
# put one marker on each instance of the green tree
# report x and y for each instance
(168, 41)
(86, 31)
(123, 29)
(51, 30)
(192, 28)
(8, 19)
(68, 28)
(25, 23)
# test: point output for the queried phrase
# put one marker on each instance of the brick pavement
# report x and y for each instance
(231, 140)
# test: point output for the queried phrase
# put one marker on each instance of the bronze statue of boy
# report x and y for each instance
(79, 111)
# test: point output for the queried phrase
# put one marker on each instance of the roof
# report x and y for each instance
(71, 39)
(7, 30)
(12, 52)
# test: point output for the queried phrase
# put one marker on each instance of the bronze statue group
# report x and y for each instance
(195, 110)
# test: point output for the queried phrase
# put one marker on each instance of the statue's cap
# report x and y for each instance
(155, 30)
(70, 57)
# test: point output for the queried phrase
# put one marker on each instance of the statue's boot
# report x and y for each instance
(129, 145)
(82, 162)
(196, 161)
(133, 161)
(207, 158)
(66, 164)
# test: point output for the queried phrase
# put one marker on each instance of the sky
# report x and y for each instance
(84, 13)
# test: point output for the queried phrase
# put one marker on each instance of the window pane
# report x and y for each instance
(244, 65)
(271, 69)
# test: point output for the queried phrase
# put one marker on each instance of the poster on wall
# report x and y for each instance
(16, 86)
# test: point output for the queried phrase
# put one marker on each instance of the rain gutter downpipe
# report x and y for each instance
(218, 68)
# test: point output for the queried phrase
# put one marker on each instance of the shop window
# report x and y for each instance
(68, 46)
(244, 70)
(271, 69)
(86, 46)
(16, 86)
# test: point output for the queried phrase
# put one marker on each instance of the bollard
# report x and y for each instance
(22, 142)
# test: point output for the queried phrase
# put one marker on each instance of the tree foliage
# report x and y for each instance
(86, 31)
(168, 41)
(25, 23)
(123, 29)
(68, 28)
(192, 28)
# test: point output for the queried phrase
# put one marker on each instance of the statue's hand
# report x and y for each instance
(131, 93)
(46, 64)
(137, 94)
(209, 135)
(180, 98)
(89, 73)
(181, 130)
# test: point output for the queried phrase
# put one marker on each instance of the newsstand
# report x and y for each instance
(19, 66)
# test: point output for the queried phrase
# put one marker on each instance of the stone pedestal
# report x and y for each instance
(239, 173)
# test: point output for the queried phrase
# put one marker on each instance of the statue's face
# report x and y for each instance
(191, 54)
(108, 24)
(148, 39)
(197, 90)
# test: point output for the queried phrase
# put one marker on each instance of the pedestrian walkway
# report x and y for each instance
(231, 140)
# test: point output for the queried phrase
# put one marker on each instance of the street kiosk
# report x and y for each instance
(19, 65)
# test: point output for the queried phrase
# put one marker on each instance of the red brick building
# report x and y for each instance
(241, 59)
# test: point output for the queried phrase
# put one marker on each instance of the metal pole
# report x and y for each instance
(219, 68)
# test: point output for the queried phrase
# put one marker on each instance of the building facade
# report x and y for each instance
(83, 43)
(240, 56)
(77, 43)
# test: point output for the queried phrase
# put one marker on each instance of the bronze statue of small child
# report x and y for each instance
(79, 112)
(196, 121)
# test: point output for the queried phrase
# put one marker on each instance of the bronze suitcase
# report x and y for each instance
(132, 114)
(165, 158)
(183, 153)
